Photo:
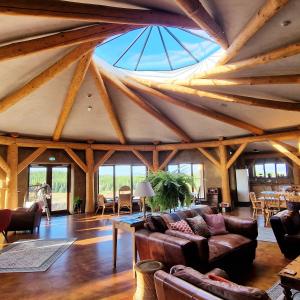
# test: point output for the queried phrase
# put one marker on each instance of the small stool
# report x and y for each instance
(145, 269)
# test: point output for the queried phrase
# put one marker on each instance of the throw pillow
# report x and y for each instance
(182, 226)
(199, 226)
(215, 223)
(217, 278)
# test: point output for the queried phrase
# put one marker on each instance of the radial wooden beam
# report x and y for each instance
(143, 104)
(195, 10)
(261, 59)
(236, 154)
(108, 105)
(4, 166)
(31, 158)
(91, 33)
(288, 146)
(196, 108)
(265, 13)
(286, 152)
(143, 159)
(93, 12)
(168, 159)
(209, 156)
(77, 159)
(215, 96)
(75, 84)
(103, 159)
(255, 80)
(62, 64)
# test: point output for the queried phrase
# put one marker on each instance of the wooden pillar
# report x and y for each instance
(224, 175)
(11, 200)
(296, 173)
(155, 161)
(90, 203)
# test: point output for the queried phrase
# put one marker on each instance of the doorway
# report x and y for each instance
(58, 177)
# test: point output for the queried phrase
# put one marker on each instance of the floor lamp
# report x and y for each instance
(143, 190)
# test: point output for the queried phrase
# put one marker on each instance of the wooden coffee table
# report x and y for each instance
(289, 282)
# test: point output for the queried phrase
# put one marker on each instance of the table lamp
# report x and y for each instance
(143, 190)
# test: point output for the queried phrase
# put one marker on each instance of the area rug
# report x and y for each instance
(265, 234)
(276, 292)
(32, 255)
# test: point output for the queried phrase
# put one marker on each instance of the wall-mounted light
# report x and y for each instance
(52, 158)
(89, 108)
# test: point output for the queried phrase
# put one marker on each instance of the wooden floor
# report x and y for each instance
(85, 271)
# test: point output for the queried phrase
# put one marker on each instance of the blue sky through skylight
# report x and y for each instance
(157, 48)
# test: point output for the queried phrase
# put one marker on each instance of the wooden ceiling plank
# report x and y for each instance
(107, 102)
(171, 155)
(216, 96)
(264, 14)
(209, 157)
(77, 159)
(75, 84)
(195, 108)
(62, 64)
(143, 104)
(31, 158)
(236, 155)
(143, 159)
(93, 13)
(195, 10)
(75, 36)
(103, 159)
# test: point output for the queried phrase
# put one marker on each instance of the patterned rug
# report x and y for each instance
(276, 292)
(32, 255)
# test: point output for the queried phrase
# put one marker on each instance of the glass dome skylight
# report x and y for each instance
(157, 48)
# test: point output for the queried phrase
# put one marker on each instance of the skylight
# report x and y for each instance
(157, 48)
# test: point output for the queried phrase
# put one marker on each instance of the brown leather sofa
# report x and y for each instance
(286, 228)
(231, 251)
(185, 284)
(23, 219)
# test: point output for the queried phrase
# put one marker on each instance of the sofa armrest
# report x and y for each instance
(246, 227)
(200, 241)
(218, 272)
(169, 250)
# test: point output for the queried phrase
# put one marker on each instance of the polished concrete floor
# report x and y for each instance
(85, 270)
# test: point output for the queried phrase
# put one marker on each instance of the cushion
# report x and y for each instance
(217, 278)
(198, 226)
(291, 222)
(215, 223)
(230, 240)
(182, 226)
(155, 224)
(224, 289)
(170, 218)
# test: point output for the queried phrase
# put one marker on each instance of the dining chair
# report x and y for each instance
(5, 218)
(257, 205)
(102, 202)
(125, 198)
(272, 207)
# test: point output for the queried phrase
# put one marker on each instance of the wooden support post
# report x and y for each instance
(103, 159)
(28, 160)
(155, 161)
(12, 178)
(168, 159)
(89, 204)
(296, 173)
(236, 154)
(224, 175)
(77, 159)
(209, 157)
(142, 159)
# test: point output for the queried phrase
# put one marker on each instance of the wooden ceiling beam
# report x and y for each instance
(31, 158)
(236, 155)
(195, 10)
(195, 108)
(75, 84)
(255, 80)
(77, 159)
(4, 165)
(93, 13)
(260, 59)
(75, 36)
(103, 159)
(143, 159)
(216, 96)
(143, 104)
(265, 13)
(62, 64)
(171, 155)
(107, 102)
(210, 157)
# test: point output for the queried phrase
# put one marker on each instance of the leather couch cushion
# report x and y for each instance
(224, 290)
(291, 221)
(198, 226)
(155, 224)
(215, 223)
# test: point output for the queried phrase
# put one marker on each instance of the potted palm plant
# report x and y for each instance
(171, 190)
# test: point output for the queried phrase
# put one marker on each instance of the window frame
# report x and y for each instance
(265, 175)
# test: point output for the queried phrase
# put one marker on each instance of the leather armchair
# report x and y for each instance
(286, 228)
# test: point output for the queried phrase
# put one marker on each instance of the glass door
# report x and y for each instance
(37, 176)
(59, 183)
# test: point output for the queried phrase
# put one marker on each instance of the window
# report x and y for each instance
(138, 175)
(194, 170)
(270, 170)
(106, 181)
(122, 176)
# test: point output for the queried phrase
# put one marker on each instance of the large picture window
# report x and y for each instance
(270, 170)
(194, 170)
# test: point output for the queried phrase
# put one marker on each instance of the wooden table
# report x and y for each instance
(130, 224)
(289, 282)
